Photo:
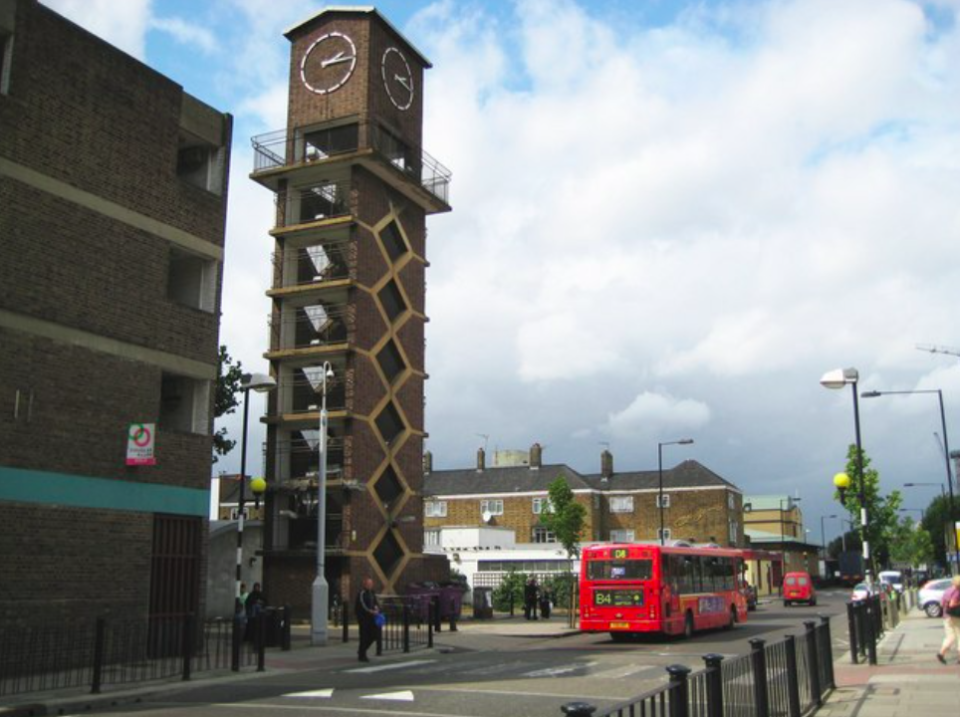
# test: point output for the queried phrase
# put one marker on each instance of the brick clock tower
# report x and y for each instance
(353, 190)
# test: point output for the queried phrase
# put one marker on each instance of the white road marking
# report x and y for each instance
(403, 696)
(562, 670)
(331, 708)
(390, 666)
(619, 672)
(312, 693)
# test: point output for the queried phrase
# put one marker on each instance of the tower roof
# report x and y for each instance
(304, 24)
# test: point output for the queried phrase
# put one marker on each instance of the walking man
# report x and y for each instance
(367, 608)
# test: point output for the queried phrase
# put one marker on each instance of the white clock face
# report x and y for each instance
(397, 78)
(328, 63)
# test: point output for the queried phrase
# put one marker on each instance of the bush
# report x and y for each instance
(511, 587)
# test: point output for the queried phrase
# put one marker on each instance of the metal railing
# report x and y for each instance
(789, 678)
(315, 264)
(277, 149)
(407, 626)
(114, 652)
(312, 326)
(303, 205)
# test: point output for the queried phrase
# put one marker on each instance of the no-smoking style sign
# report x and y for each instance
(140, 442)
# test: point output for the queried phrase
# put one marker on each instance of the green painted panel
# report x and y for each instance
(26, 486)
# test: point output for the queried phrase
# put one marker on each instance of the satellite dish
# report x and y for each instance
(487, 516)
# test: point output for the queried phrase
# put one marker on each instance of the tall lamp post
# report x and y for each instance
(783, 536)
(681, 442)
(946, 458)
(320, 592)
(838, 379)
(261, 383)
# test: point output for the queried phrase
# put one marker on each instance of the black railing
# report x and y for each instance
(327, 260)
(411, 623)
(865, 621)
(116, 652)
(788, 678)
(312, 326)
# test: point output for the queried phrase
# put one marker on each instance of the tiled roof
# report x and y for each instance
(688, 474)
(510, 479)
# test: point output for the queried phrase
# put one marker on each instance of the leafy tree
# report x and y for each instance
(911, 544)
(510, 591)
(564, 517)
(881, 510)
(226, 400)
(936, 522)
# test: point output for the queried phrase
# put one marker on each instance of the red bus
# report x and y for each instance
(635, 588)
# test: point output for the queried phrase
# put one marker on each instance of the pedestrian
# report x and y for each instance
(367, 608)
(950, 604)
(255, 601)
(530, 596)
(243, 595)
(545, 603)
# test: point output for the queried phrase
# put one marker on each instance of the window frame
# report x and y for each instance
(666, 501)
(435, 509)
(493, 506)
(629, 535)
(666, 534)
(617, 503)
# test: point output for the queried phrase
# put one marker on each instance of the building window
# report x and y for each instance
(731, 501)
(543, 535)
(665, 502)
(192, 280)
(201, 164)
(664, 534)
(621, 536)
(435, 508)
(621, 504)
(431, 538)
(6, 57)
(184, 404)
(491, 507)
(541, 505)
(734, 531)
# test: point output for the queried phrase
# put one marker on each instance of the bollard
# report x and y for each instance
(238, 626)
(578, 709)
(346, 623)
(826, 654)
(406, 627)
(793, 684)
(852, 630)
(429, 624)
(869, 632)
(758, 657)
(187, 641)
(679, 690)
(435, 602)
(261, 640)
(715, 685)
(98, 647)
(813, 671)
(285, 631)
(453, 614)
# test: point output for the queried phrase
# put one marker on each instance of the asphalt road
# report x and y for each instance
(508, 676)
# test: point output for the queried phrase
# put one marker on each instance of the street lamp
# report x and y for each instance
(946, 458)
(320, 592)
(943, 491)
(681, 442)
(837, 379)
(921, 511)
(823, 534)
(261, 383)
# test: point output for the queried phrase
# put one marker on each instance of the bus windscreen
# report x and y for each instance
(620, 569)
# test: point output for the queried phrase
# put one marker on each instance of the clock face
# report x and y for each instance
(397, 78)
(328, 63)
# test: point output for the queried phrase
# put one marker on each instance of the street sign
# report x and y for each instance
(140, 443)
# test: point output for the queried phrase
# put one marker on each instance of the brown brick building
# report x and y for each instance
(698, 505)
(112, 209)
(353, 190)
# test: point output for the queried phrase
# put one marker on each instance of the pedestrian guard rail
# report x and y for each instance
(789, 678)
(117, 652)
(411, 622)
(869, 619)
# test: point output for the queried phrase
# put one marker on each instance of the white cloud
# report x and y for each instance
(186, 33)
(123, 24)
(650, 413)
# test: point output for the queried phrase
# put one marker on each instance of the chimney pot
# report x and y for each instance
(606, 464)
(481, 460)
(428, 463)
(536, 456)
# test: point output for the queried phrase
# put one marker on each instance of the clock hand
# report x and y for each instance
(336, 59)
(405, 81)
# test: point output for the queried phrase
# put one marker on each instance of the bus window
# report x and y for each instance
(620, 569)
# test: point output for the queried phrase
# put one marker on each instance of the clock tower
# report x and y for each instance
(353, 190)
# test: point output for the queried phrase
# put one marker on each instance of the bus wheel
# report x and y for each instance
(688, 626)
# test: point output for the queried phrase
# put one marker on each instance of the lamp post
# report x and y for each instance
(320, 591)
(946, 458)
(823, 534)
(681, 442)
(921, 511)
(837, 379)
(261, 383)
(943, 491)
(783, 538)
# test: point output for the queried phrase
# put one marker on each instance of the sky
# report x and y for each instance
(670, 219)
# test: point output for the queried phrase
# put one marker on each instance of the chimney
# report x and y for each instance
(535, 457)
(481, 460)
(427, 463)
(606, 465)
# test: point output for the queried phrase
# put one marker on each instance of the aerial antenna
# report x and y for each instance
(931, 348)
(486, 438)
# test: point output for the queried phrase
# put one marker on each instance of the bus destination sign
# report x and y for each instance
(618, 598)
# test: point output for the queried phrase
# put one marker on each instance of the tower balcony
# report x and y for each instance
(314, 152)
(300, 329)
(317, 262)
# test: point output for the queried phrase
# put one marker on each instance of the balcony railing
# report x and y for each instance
(312, 326)
(324, 261)
(328, 200)
(278, 149)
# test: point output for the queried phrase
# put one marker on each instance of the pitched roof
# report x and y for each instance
(688, 474)
(507, 479)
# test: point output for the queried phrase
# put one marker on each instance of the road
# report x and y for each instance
(505, 676)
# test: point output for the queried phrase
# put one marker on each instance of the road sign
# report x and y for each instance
(140, 442)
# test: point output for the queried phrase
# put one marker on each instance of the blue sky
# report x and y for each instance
(670, 219)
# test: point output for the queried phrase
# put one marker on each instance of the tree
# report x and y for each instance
(911, 545)
(226, 400)
(564, 517)
(936, 521)
(881, 510)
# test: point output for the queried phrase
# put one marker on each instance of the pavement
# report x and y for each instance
(907, 679)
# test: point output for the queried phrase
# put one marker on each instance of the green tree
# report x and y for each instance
(564, 517)
(881, 509)
(936, 521)
(226, 400)
(509, 592)
(911, 545)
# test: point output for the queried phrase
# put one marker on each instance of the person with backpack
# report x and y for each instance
(950, 602)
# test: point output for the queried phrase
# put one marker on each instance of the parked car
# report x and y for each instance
(750, 595)
(893, 578)
(861, 591)
(798, 587)
(930, 595)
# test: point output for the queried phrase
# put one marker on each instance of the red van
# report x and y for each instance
(798, 587)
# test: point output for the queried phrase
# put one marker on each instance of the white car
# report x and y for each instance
(930, 595)
(861, 592)
(893, 578)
